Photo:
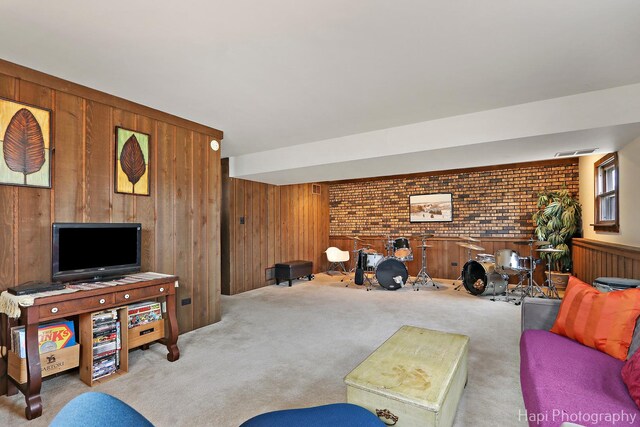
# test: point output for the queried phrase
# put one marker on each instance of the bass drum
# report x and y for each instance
(391, 274)
(480, 278)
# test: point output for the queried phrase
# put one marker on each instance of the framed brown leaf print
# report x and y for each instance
(25, 139)
(132, 162)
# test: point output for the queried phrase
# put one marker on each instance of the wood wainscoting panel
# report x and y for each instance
(593, 259)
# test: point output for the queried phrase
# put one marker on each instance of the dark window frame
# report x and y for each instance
(600, 166)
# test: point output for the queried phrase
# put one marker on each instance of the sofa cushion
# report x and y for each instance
(631, 377)
(604, 321)
(562, 379)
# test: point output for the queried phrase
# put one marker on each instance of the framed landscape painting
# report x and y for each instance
(25, 139)
(132, 162)
(436, 207)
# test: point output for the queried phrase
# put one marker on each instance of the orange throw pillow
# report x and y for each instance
(604, 321)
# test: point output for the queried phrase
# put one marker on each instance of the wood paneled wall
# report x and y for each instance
(304, 219)
(593, 259)
(281, 223)
(180, 219)
(445, 258)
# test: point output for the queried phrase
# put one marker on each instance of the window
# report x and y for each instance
(606, 202)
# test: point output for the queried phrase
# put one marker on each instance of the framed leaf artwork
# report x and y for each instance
(132, 162)
(25, 139)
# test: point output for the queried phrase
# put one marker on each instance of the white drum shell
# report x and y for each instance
(373, 259)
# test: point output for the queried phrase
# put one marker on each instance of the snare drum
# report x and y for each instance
(524, 263)
(480, 278)
(485, 258)
(507, 261)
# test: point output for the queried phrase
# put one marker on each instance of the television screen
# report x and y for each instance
(95, 250)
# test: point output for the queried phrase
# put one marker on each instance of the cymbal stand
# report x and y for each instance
(457, 288)
(519, 286)
(388, 245)
(354, 263)
(423, 275)
(533, 287)
(552, 291)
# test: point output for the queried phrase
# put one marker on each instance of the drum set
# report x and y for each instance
(489, 274)
(390, 270)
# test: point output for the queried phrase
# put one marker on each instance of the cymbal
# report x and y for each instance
(425, 246)
(468, 238)
(357, 238)
(426, 236)
(470, 246)
(549, 250)
(533, 242)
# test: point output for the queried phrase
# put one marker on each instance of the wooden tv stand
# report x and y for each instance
(76, 303)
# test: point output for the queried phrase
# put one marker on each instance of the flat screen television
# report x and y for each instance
(94, 250)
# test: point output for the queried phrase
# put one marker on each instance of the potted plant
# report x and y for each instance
(557, 220)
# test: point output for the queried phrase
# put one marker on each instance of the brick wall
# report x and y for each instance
(495, 202)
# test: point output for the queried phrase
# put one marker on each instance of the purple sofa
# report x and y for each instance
(565, 381)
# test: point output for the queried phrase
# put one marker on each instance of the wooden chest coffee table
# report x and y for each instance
(418, 375)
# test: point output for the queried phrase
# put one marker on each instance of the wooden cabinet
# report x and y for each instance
(83, 303)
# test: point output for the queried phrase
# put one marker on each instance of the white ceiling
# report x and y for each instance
(278, 75)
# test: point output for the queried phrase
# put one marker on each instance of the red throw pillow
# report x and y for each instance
(631, 377)
(604, 321)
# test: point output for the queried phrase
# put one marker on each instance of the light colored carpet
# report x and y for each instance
(280, 347)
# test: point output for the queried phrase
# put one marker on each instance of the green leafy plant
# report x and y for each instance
(557, 219)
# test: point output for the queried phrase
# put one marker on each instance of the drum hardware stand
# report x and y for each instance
(519, 286)
(552, 292)
(354, 261)
(388, 245)
(423, 275)
(532, 287)
(460, 277)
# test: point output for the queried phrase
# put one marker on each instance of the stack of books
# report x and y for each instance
(143, 313)
(106, 343)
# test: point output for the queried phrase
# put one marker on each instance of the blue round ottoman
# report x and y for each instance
(335, 415)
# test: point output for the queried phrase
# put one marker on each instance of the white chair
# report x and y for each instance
(337, 258)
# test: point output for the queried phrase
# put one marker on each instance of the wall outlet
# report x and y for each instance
(454, 264)
(185, 301)
(241, 220)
